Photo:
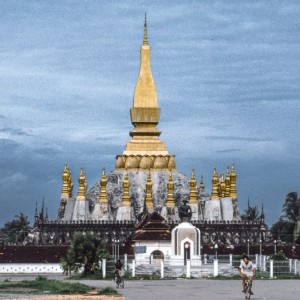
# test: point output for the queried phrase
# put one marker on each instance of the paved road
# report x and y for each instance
(195, 289)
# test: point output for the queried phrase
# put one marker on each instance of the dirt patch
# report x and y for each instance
(17, 290)
(67, 297)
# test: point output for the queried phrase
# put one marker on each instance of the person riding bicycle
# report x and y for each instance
(247, 269)
(118, 271)
(118, 267)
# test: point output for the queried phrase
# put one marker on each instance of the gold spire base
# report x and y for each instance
(81, 198)
(145, 162)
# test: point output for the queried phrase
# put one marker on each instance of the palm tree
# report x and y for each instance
(288, 226)
(86, 250)
(15, 231)
(251, 214)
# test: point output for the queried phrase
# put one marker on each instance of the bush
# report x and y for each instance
(85, 251)
(278, 256)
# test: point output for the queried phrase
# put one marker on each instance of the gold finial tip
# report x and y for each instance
(145, 41)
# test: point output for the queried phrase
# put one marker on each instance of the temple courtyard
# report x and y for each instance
(190, 289)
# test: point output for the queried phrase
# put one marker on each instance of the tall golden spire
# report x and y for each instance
(70, 183)
(233, 192)
(227, 183)
(170, 197)
(149, 201)
(145, 112)
(103, 182)
(65, 183)
(215, 181)
(193, 189)
(82, 186)
(145, 94)
(126, 185)
(145, 150)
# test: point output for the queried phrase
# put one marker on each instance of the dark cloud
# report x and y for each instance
(226, 75)
(228, 150)
(14, 131)
(238, 138)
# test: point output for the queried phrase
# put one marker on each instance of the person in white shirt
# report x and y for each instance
(247, 269)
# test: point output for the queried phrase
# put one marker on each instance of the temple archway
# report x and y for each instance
(156, 257)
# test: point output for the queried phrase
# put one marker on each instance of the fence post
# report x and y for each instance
(295, 266)
(188, 268)
(271, 269)
(290, 265)
(125, 262)
(260, 261)
(216, 268)
(162, 269)
(133, 268)
(230, 260)
(264, 264)
(103, 267)
(205, 259)
(256, 259)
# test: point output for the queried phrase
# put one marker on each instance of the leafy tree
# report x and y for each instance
(282, 230)
(251, 214)
(85, 251)
(288, 225)
(15, 231)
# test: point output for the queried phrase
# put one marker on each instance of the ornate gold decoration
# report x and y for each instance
(227, 183)
(82, 186)
(233, 192)
(170, 198)
(149, 201)
(103, 182)
(193, 189)
(65, 183)
(126, 185)
(215, 181)
(70, 184)
(222, 186)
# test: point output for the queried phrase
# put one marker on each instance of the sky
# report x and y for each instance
(227, 75)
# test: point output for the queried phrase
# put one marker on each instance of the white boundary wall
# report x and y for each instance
(30, 268)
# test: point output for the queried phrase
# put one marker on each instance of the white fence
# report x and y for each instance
(207, 267)
(30, 268)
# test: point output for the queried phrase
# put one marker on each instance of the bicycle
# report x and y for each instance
(119, 280)
(247, 289)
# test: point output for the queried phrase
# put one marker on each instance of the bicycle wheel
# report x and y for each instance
(248, 293)
(117, 281)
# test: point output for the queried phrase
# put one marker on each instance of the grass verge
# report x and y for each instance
(41, 285)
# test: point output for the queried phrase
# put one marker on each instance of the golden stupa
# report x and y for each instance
(145, 150)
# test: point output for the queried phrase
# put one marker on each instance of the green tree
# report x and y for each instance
(85, 251)
(15, 231)
(251, 214)
(288, 225)
(282, 230)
